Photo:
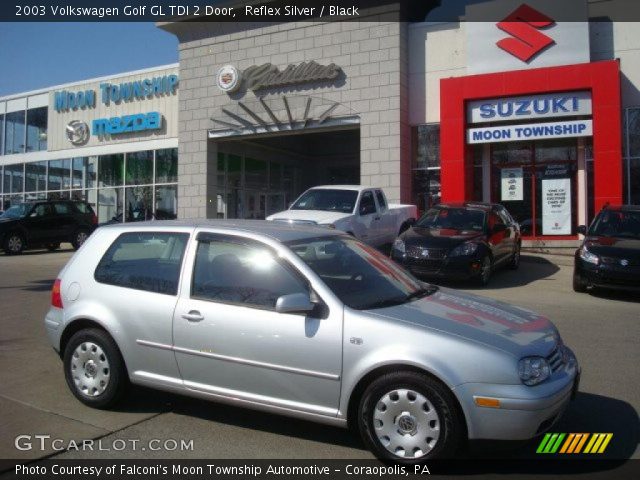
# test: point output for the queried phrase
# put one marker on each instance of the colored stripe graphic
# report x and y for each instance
(574, 442)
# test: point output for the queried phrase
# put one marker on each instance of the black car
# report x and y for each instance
(460, 241)
(46, 224)
(609, 256)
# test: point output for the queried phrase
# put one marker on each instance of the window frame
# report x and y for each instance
(373, 201)
(208, 237)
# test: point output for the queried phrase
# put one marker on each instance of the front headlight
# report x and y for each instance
(589, 257)
(398, 245)
(533, 370)
(468, 248)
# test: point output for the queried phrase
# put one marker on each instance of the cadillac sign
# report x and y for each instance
(259, 77)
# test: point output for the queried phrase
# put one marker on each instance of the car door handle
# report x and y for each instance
(193, 316)
(376, 218)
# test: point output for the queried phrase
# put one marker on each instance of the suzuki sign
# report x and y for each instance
(525, 35)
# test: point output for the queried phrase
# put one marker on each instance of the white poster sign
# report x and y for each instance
(511, 184)
(556, 206)
(532, 131)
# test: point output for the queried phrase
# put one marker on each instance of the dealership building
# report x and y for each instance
(542, 115)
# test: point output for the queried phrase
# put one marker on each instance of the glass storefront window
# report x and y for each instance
(84, 172)
(14, 132)
(14, 178)
(167, 165)
(1, 134)
(220, 172)
(59, 174)
(255, 174)
(166, 207)
(275, 176)
(139, 168)
(110, 170)
(36, 176)
(634, 182)
(426, 165)
(556, 151)
(110, 201)
(427, 145)
(37, 129)
(138, 201)
(61, 195)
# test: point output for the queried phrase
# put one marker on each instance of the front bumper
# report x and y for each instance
(606, 275)
(524, 411)
(451, 268)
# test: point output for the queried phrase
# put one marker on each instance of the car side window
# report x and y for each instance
(61, 208)
(381, 200)
(367, 203)
(247, 275)
(147, 261)
(504, 217)
(41, 210)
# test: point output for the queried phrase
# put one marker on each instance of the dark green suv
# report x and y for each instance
(46, 224)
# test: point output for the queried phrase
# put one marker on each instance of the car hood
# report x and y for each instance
(316, 216)
(438, 237)
(517, 331)
(614, 247)
(7, 220)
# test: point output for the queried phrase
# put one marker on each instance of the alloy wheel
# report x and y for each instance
(14, 244)
(81, 237)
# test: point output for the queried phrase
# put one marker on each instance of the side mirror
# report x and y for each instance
(582, 230)
(499, 227)
(294, 303)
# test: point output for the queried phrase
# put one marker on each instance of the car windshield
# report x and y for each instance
(17, 211)
(453, 218)
(328, 200)
(616, 223)
(359, 275)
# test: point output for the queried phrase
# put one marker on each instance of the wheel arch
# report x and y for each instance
(367, 378)
(83, 324)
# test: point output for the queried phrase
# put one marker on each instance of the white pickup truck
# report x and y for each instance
(361, 211)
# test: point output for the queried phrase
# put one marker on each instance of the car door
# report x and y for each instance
(65, 223)
(40, 224)
(510, 233)
(387, 221)
(230, 341)
(497, 239)
(367, 219)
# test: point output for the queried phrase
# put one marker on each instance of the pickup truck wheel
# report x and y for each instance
(79, 238)
(94, 369)
(409, 418)
(13, 244)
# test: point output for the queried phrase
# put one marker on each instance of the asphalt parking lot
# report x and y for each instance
(603, 330)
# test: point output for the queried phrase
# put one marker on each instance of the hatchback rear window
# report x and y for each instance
(147, 261)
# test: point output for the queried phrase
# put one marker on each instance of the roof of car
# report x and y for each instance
(281, 231)
(343, 187)
(623, 208)
(478, 205)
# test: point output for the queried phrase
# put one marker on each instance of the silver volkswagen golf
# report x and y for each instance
(307, 322)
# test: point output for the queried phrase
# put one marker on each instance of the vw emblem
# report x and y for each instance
(624, 262)
(77, 132)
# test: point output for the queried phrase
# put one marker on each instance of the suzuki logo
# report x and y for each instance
(523, 24)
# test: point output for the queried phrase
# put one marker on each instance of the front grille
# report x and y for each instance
(415, 251)
(555, 359)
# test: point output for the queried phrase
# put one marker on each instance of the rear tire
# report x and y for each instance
(579, 285)
(79, 238)
(94, 369)
(13, 243)
(410, 418)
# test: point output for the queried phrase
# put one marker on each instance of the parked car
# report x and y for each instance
(609, 256)
(360, 211)
(460, 241)
(307, 322)
(46, 224)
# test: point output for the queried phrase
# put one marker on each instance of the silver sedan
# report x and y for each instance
(306, 322)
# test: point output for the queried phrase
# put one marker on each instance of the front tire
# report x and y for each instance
(579, 285)
(409, 418)
(486, 268)
(13, 244)
(515, 259)
(94, 369)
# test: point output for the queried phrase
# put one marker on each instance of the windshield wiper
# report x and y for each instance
(389, 302)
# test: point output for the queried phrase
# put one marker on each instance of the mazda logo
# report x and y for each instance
(77, 132)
